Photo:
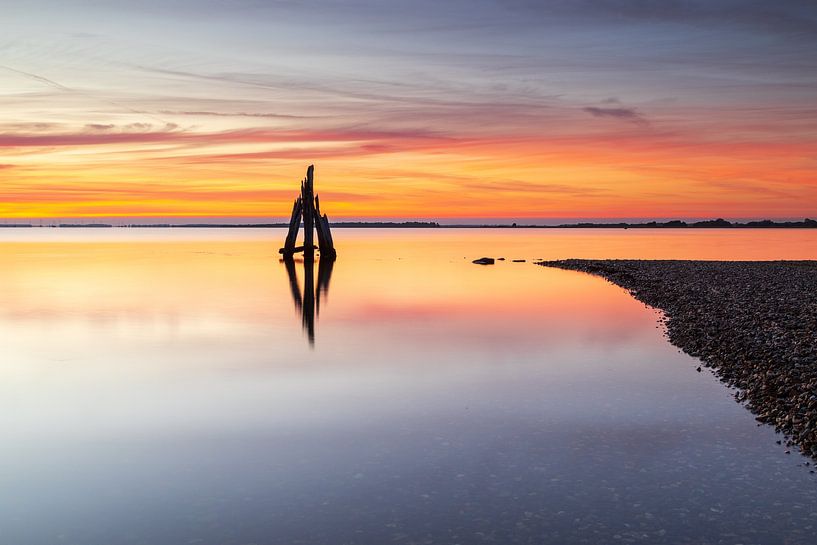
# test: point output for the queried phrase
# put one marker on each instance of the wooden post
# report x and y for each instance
(330, 245)
(318, 226)
(324, 235)
(309, 213)
(294, 226)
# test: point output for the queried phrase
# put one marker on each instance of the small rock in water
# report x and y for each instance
(500, 259)
(518, 260)
(484, 261)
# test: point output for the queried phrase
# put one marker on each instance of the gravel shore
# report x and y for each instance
(753, 322)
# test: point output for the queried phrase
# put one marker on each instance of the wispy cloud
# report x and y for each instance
(531, 188)
(262, 115)
(98, 135)
(56, 85)
(627, 114)
(137, 191)
(38, 78)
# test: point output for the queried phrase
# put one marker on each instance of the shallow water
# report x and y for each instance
(159, 387)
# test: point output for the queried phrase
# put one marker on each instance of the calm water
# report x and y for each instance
(159, 387)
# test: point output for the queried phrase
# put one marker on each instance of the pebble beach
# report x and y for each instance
(753, 322)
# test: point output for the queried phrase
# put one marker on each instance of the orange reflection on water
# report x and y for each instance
(132, 280)
(217, 282)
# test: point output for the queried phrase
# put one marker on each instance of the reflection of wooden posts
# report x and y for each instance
(309, 299)
(324, 275)
(307, 207)
(289, 263)
(308, 302)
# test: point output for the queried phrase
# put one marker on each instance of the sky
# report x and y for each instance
(515, 109)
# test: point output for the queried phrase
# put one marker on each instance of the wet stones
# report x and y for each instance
(753, 323)
(484, 261)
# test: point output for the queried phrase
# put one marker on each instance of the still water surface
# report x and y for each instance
(159, 387)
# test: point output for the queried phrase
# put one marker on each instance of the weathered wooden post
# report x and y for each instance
(307, 207)
(294, 225)
(330, 244)
(309, 214)
(324, 234)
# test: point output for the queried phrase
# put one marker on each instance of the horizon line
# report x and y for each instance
(239, 221)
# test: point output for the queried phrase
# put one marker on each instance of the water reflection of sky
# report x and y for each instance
(163, 391)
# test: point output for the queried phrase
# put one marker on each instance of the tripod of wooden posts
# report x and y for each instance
(308, 209)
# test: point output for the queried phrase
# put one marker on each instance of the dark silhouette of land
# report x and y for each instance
(674, 224)
(711, 224)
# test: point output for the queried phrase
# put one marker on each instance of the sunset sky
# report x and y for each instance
(515, 109)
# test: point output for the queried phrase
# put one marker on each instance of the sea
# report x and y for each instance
(189, 386)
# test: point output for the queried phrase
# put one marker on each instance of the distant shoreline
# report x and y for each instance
(675, 224)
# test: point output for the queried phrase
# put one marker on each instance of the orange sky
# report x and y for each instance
(104, 116)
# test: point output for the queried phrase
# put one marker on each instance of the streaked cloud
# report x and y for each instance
(234, 114)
